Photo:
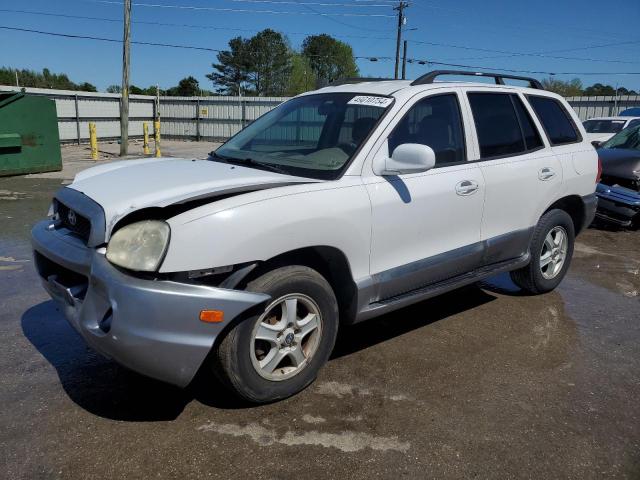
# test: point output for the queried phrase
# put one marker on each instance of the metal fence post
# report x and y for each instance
(77, 119)
(198, 119)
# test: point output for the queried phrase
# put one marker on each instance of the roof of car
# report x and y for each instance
(623, 118)
(390, 87)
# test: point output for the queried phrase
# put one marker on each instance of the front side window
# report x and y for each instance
(497, 125)
(435, 122)
(313, 136)
(603, 126)
(555, 120)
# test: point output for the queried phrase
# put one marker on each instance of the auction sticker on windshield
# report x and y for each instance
(382, 102)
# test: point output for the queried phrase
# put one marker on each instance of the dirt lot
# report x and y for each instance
(480, 383)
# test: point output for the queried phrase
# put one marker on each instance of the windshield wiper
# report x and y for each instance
(250, 162)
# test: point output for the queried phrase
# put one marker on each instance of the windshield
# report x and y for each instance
(604, 126)
(629, 138)
(311, 136)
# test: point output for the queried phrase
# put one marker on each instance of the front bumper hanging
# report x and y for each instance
(149, 326)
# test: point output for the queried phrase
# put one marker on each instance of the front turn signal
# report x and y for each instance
(211, 316)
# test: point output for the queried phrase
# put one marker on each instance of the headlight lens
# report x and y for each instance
(140, 246)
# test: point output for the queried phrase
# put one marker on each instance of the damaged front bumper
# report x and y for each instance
(617, 204)
(149, 326)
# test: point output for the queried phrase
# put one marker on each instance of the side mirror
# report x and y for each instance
(596, 143)
(407, 158)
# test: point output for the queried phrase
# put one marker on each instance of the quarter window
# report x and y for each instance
(436, 122)
(497, 125)
(555, 119)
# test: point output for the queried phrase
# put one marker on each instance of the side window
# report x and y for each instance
(435, 122)
(532, 138)
(555, 120)
(497, 125)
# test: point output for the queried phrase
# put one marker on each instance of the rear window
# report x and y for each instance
(497, 126)
(603, 126)
(555, 120)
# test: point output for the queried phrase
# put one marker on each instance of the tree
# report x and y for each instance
(572, 88)
(187, 87)
(45, 79)
(260, 65)
(231, 73)
(329, 58)
(114, 89)
(302, 78)
(599, 89)
(269, 63)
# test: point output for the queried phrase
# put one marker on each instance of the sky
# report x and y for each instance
(566, 37)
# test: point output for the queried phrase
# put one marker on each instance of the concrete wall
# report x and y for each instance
(209, 118)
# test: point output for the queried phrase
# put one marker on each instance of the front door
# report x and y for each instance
(426, 226)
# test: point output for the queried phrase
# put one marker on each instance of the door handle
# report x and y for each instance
(546, 173)
(466, 187)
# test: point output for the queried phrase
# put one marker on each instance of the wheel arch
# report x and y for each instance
(575, 208)
(328, 261)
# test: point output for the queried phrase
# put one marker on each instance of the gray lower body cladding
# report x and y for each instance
(416, 275)
(149, 326)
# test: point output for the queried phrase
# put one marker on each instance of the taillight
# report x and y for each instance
(599, 175)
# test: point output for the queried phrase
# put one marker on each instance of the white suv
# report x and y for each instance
(339, 205)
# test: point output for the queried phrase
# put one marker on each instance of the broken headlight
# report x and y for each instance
(140, 246)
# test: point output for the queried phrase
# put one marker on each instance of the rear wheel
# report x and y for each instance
(278, 352)
(551, 251)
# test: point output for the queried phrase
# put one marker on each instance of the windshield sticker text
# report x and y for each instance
(382, 102)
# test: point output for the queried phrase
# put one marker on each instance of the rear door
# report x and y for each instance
(426, 226)
(519, 167)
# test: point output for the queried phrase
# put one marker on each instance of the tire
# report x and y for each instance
(533, 278)
(240, 354)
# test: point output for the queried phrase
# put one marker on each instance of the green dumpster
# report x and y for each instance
(29, 140)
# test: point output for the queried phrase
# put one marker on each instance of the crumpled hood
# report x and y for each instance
(620, 162)
(123, 187)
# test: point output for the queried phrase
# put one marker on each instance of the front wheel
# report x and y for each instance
(278, 352)
(551, 251)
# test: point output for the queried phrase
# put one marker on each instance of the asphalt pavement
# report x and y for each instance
(480, 383)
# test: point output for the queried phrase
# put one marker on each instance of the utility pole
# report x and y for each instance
(404, 61)
(17, 83)
(124, 96)
(401, 19)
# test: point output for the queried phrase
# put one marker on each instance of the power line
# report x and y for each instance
(521, 54)
(510, 54)
(370, 58)
(241, 10)
(320, 4)
(562, 50)
(185, 25)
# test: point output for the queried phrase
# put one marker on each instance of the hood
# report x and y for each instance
(598, 137)
(129, 185)
(620, 162)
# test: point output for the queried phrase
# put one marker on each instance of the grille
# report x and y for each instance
(81, 227)
(621, 182)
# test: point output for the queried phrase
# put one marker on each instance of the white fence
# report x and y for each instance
(209, 118)
(589, 107)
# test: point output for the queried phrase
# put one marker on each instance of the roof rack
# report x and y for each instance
(349, 81)
(499, 77)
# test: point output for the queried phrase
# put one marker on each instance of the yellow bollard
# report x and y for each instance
(156, 135)
(93, 140)
(145, 141)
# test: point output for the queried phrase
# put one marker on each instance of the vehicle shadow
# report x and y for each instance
(363, 335)
(103, 388)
